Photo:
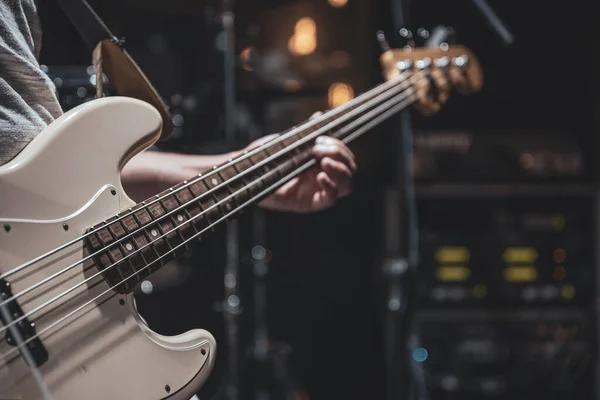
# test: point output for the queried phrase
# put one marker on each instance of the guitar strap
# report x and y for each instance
(111, 59)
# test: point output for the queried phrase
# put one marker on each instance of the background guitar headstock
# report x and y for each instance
(434, 68)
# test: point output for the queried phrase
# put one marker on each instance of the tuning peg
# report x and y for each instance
(424, 63)
(423, 33)
(408, 37)
(404, 65)
(462, 61)
(405, 33)
(421, 37)
(382, 41)
(442, 62)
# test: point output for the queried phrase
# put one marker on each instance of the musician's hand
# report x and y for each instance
(320, 186)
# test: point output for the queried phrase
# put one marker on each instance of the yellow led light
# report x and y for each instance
(453, 273)
(452, 254)
(520, 274)
(479, 291)
(520, 255)
(568, 292)
(340, 93)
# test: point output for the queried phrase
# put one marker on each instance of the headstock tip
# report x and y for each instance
(471, 78)
(435, 70)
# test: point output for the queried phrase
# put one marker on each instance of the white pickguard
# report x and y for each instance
(64, 182)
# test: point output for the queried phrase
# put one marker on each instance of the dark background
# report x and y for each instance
(325, 288)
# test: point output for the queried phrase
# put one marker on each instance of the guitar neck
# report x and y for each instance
(140, 240)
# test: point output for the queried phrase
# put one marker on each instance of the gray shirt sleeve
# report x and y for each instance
(28, 101)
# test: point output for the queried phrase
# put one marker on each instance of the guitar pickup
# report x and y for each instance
(23, 329)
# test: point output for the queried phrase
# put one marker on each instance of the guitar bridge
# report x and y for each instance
(21, 334)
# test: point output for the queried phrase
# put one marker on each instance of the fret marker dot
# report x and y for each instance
(214, 181)
(180, 218)
(129, 247)
(153, 232)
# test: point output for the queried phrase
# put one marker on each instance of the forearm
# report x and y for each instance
(151, 172)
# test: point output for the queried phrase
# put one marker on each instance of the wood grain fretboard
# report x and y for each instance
(205, 201)
(131, 245)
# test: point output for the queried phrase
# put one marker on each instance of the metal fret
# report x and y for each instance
(156, 218)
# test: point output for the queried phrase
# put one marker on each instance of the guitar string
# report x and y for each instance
(308, 124)
(395, 108)
(186, 184)
(37, 375)
(183, 206)
(57, 297)
(156, 221)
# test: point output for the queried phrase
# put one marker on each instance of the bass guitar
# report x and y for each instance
(74, 246)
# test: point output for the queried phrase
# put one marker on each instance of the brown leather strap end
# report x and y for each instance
(127, 79)
(97, 62)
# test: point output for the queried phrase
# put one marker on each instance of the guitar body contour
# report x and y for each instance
(64, 182)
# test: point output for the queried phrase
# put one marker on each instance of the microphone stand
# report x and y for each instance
(270, 373)
(260, 267)
(272, 377)
(401, 256)
(232, 307)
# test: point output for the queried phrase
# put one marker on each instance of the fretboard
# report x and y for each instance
(133, 244)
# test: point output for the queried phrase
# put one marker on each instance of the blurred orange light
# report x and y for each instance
(302, 45)
(340, 93)
(338, 3)
(306, 26)
(245, 57)
(304, 40)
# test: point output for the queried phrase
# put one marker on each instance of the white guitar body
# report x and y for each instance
(64, 182)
